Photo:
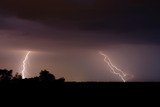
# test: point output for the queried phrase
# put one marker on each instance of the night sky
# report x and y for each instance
(65, 37)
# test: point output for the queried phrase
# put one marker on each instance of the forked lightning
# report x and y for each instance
(113, 68)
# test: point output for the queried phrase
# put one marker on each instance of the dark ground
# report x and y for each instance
(60, 93)
(85, 89)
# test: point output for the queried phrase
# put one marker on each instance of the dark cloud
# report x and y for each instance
(120, 15)
(87, 21)
(23, 33)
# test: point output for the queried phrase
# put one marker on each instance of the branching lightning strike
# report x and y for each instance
(113, 68)
(24, 64)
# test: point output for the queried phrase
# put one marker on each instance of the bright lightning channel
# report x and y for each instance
(113, 68)
(24, 64)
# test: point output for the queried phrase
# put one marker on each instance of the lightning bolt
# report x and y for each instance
(24, 64)
(113, 68)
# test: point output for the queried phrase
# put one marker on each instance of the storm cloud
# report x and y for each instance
(71, 32)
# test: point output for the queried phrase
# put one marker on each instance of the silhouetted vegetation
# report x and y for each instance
(44, 76)
(17, 76)
(5, 75)
(47, 84)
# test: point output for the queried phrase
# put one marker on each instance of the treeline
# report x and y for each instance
(44, 76)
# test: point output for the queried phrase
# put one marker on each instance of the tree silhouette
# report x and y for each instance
(61, 79)
(45, 76)
(5, 75)
(17, 76)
